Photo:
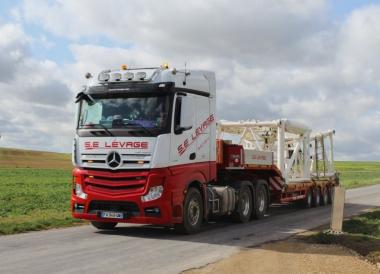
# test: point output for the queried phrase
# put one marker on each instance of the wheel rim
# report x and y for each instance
(245, 204)
(309, 197)
(194, 211)
(261, 201)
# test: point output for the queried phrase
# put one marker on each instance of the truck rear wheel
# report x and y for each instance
(103, 225)
(325, 196)
(317, 197)
(192, 213)
(308, 200)
(244, 206)
(330, 193)
(261, 202)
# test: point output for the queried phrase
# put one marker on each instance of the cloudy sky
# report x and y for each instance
(315, 61)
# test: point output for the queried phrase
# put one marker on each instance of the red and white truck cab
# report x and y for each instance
(143, 137)
(146, 151)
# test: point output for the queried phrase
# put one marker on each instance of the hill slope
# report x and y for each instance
(18, 158)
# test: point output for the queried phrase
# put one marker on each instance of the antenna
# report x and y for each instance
(186, 74)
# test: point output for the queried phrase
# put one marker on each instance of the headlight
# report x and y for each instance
(79, 191)
(154, 193)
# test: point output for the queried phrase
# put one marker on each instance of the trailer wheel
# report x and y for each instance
(260, 202)
(317, 197)
(330, 194)
(104, 225)
(308, 200)
(192, 213)
(325, 196)
(244, 205)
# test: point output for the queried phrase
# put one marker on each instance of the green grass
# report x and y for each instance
(35, 188)
(34, 199)
(362, 234)
(358, 174)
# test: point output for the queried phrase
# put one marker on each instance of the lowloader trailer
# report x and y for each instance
(149, 150)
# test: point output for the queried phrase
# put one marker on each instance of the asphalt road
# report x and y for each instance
(148, 249)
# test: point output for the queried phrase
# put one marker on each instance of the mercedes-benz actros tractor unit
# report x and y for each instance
(149, 150)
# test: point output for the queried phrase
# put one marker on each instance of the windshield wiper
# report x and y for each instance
(140, 126)
(106, 130)
(103, 127)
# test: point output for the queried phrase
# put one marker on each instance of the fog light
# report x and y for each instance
(79, 191)
(78, 208)
(154, 193)
(152, 212)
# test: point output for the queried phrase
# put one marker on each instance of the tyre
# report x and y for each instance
(330, 194)
(104, 225)
(325, 196)
(317, 197)
(260, 203)
(192, 213)
(308, 200)
(244, 205)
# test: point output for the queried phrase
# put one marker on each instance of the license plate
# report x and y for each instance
(112, 215)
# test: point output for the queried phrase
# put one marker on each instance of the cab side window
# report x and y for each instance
(177, 115)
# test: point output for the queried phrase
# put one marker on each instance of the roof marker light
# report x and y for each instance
(124, 67)
(116, 76)
(104, 76)
(128, 76)
(140, 75)
(165, 66)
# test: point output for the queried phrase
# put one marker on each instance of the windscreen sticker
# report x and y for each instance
(116, 144)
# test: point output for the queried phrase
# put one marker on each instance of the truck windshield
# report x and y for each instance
(148, 115)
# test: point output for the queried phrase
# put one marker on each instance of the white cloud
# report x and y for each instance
(251, 31)
(13, 45)
(272, 58)
(31, 93)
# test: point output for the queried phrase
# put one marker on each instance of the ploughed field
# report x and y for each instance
(35, 188)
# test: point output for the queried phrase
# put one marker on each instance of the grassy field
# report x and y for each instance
(32, 198)
(362, 234)
(357, 174)
(18, 158)
(35, 188)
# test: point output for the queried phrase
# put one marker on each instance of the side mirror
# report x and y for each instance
(185, 112)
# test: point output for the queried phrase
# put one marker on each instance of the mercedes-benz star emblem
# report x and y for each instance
(113, 159)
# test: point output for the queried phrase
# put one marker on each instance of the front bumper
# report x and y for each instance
(121, 192)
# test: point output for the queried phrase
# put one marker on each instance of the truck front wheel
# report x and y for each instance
(192, 213)
(104, 225)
